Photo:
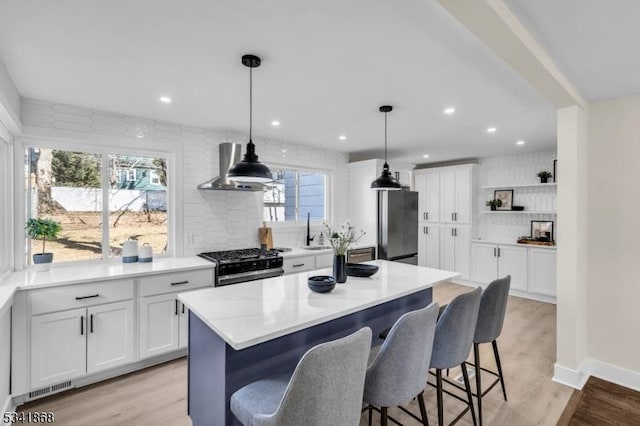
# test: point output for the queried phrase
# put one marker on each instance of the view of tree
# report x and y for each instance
(161, 169)
(76, 169)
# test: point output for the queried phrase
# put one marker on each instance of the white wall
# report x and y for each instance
(212, 220)
(9, 101)
(613, 321)
(515, 169)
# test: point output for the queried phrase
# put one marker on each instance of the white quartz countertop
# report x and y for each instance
(250, 313)
(30, 279)
(511, 243)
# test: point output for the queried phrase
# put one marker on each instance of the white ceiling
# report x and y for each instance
(327, 66)
(596, 43)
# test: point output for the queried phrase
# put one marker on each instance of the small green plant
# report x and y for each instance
(494, 203)
(42, 229)
(544, 174)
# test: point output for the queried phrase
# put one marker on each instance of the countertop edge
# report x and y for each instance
(506, 243)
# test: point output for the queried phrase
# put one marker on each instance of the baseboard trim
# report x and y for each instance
(512, 292)
(614, 374)
(569, 377)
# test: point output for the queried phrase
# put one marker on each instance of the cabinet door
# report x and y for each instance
(420, 186)
(484, 263)
(110, 336)
(447, 195)
(58, 347)
(462, 255)
(513, 261)
(542, 271)
(447, 248)
(463, 195)
(429, 245)
(183, 338)
(159, 328)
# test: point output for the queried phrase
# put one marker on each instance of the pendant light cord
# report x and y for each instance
(385, 137)
(250, 101)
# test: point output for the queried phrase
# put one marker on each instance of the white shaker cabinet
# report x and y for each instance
(542, 271)
(58, 347)
(512, 261)
(161, 323)
(110, 336)
(427, 185)
(455, 249)
(429, 245)
(484, 268)
(456, 194)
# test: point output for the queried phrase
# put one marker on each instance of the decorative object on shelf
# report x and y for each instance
(130, 251)
(341, 239)
(494, 203)
(506, 198)
(361, 270)
(321, 283)
(146, 254)
(42, 229)
(250, 169)
(528, 240)
(542, 230)
(517, 208)
(544, 176)
(555, 170)
(386, 182)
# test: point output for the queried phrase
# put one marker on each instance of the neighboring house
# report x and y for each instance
(138, 173)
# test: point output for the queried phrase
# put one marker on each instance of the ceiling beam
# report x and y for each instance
(497, 27)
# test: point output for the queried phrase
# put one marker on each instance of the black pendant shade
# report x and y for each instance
(250, 169)
(386, 182)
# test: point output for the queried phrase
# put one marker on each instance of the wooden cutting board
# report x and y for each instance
(266, 237)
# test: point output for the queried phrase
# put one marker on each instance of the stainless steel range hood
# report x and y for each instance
(230, 154)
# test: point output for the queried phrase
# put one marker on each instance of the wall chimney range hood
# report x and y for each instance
(230, 154)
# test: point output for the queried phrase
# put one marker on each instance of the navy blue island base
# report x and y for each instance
(216, 370)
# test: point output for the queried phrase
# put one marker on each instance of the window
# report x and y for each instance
(154, 178)
(294, 194)
(97, 200)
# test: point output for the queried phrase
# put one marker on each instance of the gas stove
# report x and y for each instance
(236, 266)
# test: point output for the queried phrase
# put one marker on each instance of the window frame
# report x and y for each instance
(328, 195)
(103, 149)
(6, 193)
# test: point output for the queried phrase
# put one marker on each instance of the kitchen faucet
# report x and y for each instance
(309, 237)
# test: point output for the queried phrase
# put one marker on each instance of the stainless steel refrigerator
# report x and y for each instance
(398, 226)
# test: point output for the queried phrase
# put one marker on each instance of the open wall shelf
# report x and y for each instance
(522, 185)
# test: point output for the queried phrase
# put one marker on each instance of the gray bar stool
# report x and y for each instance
(493, 306)
(397, 369)
(325, 389)
(452, 343)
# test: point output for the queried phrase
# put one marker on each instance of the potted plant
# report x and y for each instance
(495, 203)
(544, 175)
(43, 229)
(340, 240)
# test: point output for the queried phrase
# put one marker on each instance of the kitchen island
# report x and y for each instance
(245, 332)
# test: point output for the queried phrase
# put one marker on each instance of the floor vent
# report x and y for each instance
(49, 389)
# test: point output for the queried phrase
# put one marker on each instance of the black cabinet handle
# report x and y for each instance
(494, 252)
(452, 234)
(180, 282)
(87, 297)
(452, 217)
(176, 311)
(455, 232)
(455, 216)
(298, 265)
(82, 325)
(498, 251)
(183, 308)
(427, 214)
(426, 228)
(91, 323)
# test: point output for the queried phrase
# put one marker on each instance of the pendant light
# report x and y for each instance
(250, 169)
(385, 182)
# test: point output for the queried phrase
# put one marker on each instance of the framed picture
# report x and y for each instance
(506, 196)
(542, 230)
(555, 170)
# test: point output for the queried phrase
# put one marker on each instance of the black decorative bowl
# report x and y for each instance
(517, 208)
(321, 283)
(361, 269)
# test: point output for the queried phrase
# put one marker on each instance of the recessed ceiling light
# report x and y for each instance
(449, 110)
(275, 123)
(491, 129)
(342, 137)
(165, 99)
(520, 143)
(426, 156)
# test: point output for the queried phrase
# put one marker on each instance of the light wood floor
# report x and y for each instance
(157, 395)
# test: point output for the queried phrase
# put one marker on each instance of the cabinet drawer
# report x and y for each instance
(324, 260)
(79, 296)
(298, 264)
(176, 282)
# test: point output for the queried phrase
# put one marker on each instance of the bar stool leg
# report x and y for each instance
(467, 385)
(497, 355)
(423, 410)
(476, 360)
(439, 395)
(370, 414)
(383, 421)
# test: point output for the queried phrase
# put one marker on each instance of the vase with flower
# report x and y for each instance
(341, 238)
